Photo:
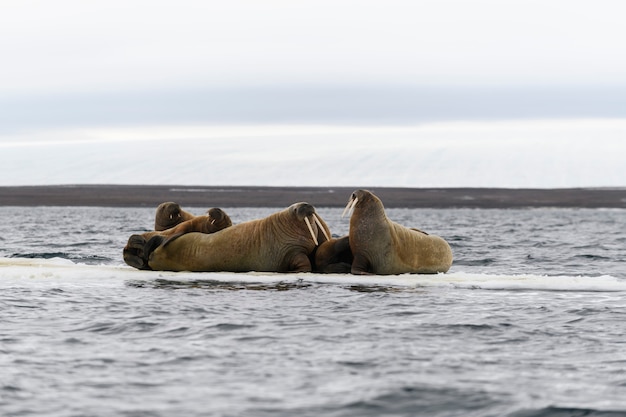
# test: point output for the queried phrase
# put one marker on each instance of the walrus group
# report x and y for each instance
(295, 239)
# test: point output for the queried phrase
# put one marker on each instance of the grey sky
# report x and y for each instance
(110, 61)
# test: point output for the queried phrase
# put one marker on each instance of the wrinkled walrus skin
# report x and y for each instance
(136, 248)
(280, 242)
(383, 247)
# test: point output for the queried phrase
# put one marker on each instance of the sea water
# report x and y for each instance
(529, 321)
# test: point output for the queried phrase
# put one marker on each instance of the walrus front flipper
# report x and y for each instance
(361, 265)
(137, 251)
(152, 243)
(170, 239)
(134, 252)
(299, 263)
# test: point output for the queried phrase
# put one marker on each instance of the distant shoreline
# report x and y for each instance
(253, 196)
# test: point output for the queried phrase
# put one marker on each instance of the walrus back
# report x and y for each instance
(418, 252)
(230, 249)
(256, 245)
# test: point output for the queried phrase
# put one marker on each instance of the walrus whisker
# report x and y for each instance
(319, 224)
(308, 224)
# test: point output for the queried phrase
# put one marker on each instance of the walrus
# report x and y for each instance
(383, 247)
(215, 220)
(281, 242)
(333, 256)
(169, 214)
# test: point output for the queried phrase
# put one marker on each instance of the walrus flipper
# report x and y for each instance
(137, 251)
(171, 239)
(134, 252)
(152, 243)
(361, 265)
(300, 263)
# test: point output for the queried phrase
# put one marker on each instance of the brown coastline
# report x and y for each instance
(227, 196)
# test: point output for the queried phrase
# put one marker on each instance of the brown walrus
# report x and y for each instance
(281, 242)
(169, 214)
(334, 256)
(381, 246)
(215, 220)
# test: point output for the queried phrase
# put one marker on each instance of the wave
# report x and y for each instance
(567, 412)
(15, 270)
(89, 259)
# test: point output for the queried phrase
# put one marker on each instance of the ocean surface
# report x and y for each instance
(530, 321)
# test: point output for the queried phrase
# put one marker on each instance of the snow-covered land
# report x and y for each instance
(512, 154)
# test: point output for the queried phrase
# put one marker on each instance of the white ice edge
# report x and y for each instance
(56, 270)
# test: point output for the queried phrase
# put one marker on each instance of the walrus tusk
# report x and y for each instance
(171, 217)
(319, 224)
(343, 213)
(213, 221)
(308, 224)
(350, 206)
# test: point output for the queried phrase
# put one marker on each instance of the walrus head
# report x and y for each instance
(354, 198)
(168, 215)
(359, 196)
(218, 220)
(306, 212)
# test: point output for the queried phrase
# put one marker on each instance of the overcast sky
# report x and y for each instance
(120, 44)
(114, 61)
(522, 93)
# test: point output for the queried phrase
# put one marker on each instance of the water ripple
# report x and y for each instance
(160, 346)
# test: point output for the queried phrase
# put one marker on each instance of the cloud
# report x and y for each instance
(113, 45)
(289, 104)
